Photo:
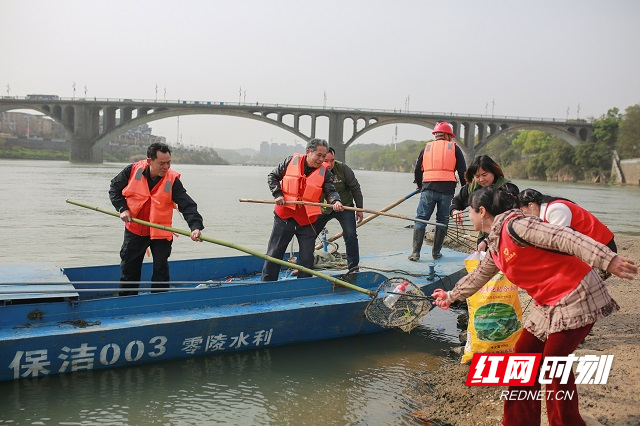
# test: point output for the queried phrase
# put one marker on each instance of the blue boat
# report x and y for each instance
(68, 320)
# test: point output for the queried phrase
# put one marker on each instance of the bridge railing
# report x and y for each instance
(277, 106)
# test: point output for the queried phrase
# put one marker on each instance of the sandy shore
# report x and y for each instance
(445, 400)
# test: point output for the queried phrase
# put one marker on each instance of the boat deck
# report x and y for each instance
(39, 277)
(48, 282)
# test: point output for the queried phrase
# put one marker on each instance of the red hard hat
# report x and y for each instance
(443, 127)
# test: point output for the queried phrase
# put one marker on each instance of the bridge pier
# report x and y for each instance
(83, 151)
(86, 128)
(336, 134)
(341, 151)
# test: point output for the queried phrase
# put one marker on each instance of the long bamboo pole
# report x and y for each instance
(235, 247)
(373, 216)
(355, 209)
(27, 290)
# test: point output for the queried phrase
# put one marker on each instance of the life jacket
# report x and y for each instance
(298, 187)
(152, 206)
(545, 275)
(439, 161)
(585, 222)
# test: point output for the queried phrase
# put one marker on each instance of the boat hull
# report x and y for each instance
(96, 331)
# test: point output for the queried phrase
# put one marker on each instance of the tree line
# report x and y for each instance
(45, 150)
(529, 154)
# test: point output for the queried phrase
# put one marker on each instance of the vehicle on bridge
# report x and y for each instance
(43, 97)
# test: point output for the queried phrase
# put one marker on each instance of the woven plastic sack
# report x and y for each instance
(495, 315)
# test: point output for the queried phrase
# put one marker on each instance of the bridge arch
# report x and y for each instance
(81, 117)
(571, 135)
(474, 135)
(114, 132)
(376, 123)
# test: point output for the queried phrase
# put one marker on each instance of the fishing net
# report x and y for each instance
(460, 235)
(403, 313)
(325, 260)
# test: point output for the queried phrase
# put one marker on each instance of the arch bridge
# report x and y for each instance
(91, 124)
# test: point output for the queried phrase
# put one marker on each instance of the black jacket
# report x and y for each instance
(461, 201)
(186, 205)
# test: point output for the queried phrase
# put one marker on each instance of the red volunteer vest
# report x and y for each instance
(545, 275)
(153, 206)
(586, 223)
(439, 161)
(298, 187)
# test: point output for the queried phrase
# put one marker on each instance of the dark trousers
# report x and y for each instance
(281, 235)
(560, 412)
(132, 254)
(347, 219)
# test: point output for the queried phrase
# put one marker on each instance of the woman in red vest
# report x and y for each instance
(150, 190)
(298, 178)
(554, 265)
(563, 212)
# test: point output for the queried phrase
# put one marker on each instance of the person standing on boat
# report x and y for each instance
(482, 172)
(298, 178)
(149, 190)
(553, 264)
(435, 175)
(348, 187)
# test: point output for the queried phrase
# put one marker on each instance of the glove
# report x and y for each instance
(442, 299)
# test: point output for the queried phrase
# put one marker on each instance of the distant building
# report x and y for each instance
(265, 149)
(279, 150)
(140, 135)
(23, 125)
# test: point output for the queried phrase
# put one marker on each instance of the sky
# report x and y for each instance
(550, 59)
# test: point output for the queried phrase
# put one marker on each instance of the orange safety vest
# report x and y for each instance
(585, 223)
(298, 187)
(153, 206)
(439, 161)
(546, 276)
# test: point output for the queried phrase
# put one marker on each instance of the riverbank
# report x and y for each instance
(58, 150)
(445, 400)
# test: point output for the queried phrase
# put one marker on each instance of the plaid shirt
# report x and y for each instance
(588, 302)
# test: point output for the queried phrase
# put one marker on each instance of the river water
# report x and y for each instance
(357, 381)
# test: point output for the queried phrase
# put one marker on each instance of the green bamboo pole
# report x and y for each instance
(27, 290)
(355, 209)
(373, 216)
(235, 247)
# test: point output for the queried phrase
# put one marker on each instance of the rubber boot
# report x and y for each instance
(438, 240)
(418, 238)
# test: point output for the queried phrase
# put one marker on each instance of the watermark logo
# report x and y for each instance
(503, 369)
(590, 369)
(500, 369)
